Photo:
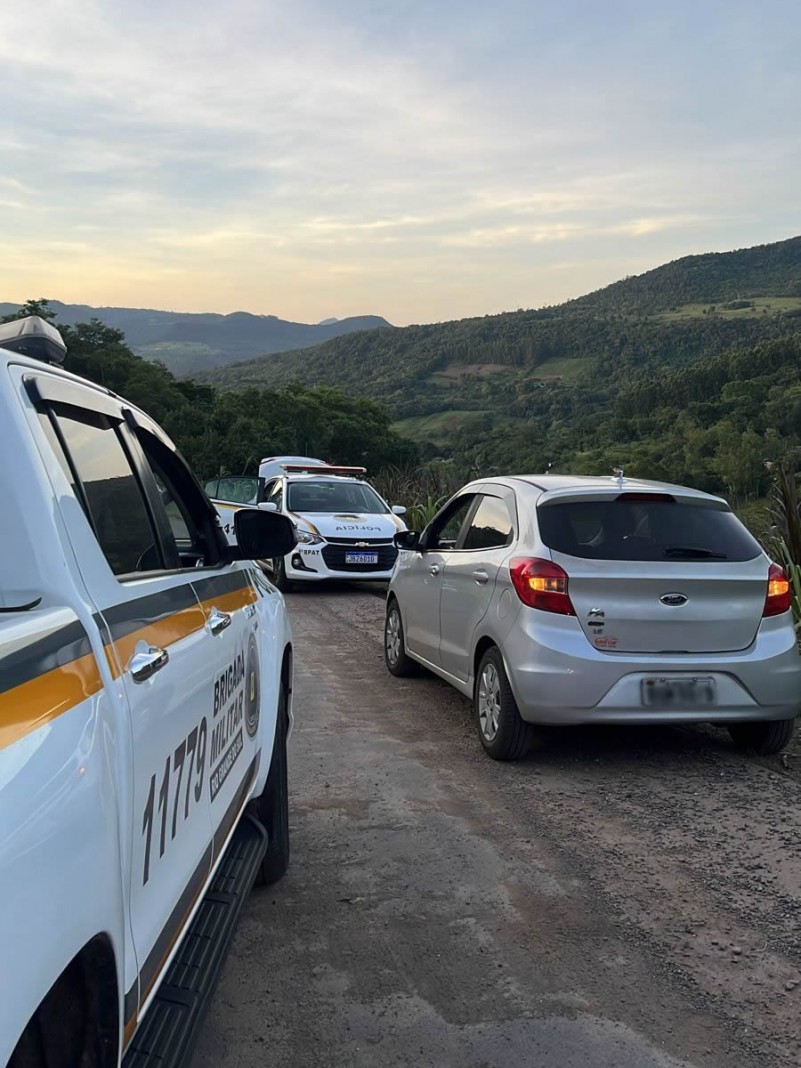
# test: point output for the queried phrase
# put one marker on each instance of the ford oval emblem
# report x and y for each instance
(673, 600)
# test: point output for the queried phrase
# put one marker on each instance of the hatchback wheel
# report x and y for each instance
(501, 729)
(764, 736)
(395, 656)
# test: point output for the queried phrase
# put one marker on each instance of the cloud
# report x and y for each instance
(324, 142)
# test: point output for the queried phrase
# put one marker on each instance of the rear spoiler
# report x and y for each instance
(323, 469)
(613, 493)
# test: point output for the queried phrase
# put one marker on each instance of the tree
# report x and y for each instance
(40, 307)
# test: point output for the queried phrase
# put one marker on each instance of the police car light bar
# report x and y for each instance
(325, 469)
(33, 336)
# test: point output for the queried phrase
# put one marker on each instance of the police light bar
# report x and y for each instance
(324, 469)
(33, 336)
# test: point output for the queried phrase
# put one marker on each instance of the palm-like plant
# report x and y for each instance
(422, 512)
(422, 489)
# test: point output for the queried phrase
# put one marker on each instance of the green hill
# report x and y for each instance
(670, 316)
(690, 372)
(714, 278)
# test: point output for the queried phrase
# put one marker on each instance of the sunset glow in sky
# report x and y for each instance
(417, 160)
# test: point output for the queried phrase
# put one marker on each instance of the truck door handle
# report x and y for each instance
(481, 576)
(433, 569)
(218, 620)
(147, 662)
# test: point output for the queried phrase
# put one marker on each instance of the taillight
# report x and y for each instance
(541, 584)
(780, 595)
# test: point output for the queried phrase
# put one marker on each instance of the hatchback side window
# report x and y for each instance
(445, 529)
(491, 526)
(104, 481)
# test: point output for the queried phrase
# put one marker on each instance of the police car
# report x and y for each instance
(145, 703)
(345, 530)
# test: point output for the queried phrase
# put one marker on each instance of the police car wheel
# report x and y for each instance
(395, 657)
(279, 575)
(272, 806)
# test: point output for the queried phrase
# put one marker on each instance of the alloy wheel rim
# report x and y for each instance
(393, 637)
(489, 702)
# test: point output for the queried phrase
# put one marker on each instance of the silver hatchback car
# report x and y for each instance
(560, 599)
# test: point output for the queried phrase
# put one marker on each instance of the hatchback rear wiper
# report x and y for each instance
(689, 552)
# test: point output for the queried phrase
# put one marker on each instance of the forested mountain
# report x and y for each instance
(714, 278)
(231, 432)
(687, 372)
(659, 374)
(192, 342)
(669, 316)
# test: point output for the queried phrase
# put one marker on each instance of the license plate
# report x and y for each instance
(361, 558)
(678, 693)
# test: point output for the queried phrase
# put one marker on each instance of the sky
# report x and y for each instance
(423, 161)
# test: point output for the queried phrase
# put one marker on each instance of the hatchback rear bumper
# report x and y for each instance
(558, 677)
(610, 714)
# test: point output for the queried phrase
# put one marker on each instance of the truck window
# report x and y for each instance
(190, 517)
(110, 492)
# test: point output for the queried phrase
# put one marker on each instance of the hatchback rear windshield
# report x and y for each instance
(645, 529)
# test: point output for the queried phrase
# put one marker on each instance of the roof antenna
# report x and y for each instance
(618, 476)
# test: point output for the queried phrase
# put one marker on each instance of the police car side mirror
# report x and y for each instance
(398, 509)
(407, 539)
(262, 535)
(268, 506)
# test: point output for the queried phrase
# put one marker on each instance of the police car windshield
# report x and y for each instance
(334, 497)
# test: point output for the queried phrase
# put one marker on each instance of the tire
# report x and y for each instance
(398, 661)
(272, 806)
(280, 581)
(65, 1029)
(501, 729)
(763, 736)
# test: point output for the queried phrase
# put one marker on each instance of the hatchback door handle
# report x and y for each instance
(481, 576)
(147, 662)
(434, 569)
(218, 620)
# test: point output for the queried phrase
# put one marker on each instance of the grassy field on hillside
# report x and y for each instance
(564, 367)
(440, 426)
(755, 306)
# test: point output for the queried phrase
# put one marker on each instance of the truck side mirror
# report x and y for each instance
(262, 535)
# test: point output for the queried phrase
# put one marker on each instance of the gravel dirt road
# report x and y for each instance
(624, 897)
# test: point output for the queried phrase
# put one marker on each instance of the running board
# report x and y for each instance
(167, 1035)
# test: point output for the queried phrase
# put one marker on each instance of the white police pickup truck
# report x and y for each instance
(145, 702)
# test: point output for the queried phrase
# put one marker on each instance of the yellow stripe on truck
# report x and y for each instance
(230, 602)
(25, 708)
(162, 632)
